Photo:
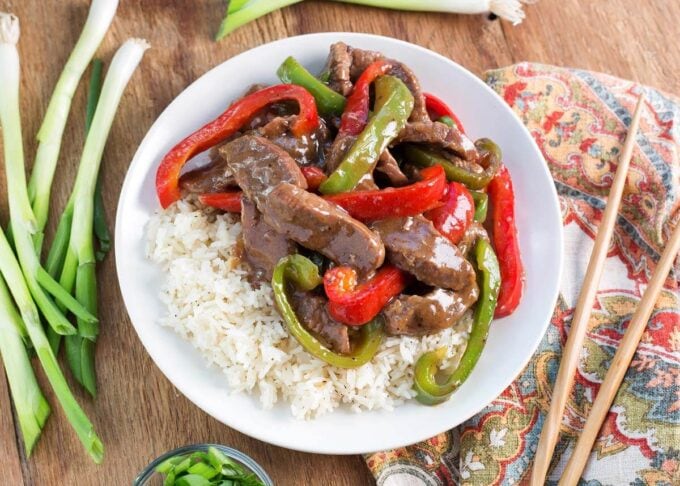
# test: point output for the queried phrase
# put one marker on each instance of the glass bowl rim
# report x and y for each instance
(241, 457)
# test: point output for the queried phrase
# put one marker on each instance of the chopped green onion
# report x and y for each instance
(199, 469)
(51, 131)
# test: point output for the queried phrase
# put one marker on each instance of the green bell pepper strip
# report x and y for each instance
(327, 101)
(481, 200)
(429, 392)
(305, 274)
(489, 151)
(325, 76)
(396, 104)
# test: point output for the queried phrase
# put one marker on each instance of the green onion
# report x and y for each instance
(11, 270)
(31, 407)
(250, 11)
(235, 5)
(51, 131)
(78, 268)
(200, 469)
(101, 229)
(23, 222)
(57, 253)
(241, 12)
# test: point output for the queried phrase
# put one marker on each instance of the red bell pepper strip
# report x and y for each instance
(313, 175)
(355, 116)
(437, 109)
(237, 115)
(456, 215)
(231, 201)
(502, 200)
(356, 304)
(395, 202)
(226, 201)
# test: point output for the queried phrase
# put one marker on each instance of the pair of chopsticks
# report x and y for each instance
(579, 326)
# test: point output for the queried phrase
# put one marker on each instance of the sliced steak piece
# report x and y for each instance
(414, 245)
(473, 233)
(263, 246)
(366, 183)
(389, 167)
(215, 176)
(338, 65)
(418, 315)
(345, 64)
(324, 227)
(259, 165)
(337, 151)
(311, 310)
(307, 149)
(441, 136)
(403, 72)
(361, 59)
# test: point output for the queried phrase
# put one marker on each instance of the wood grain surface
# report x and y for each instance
(138, 413)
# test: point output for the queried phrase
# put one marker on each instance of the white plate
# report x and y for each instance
(512, 340)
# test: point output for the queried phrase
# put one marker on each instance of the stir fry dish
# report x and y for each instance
(366, 206)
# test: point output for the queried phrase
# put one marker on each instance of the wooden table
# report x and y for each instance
(138, 413)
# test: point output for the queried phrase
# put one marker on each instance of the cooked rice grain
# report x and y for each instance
(237, 329)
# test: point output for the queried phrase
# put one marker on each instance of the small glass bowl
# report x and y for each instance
(149, 476)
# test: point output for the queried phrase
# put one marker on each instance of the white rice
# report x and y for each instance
(237, 329)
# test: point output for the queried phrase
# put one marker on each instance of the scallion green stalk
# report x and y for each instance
(241, 12)
(236, 5)
(78, 270)
(250, 11)
(51, 131)
(31, 407)
(57, 254)
(10, 268)
(23, 222)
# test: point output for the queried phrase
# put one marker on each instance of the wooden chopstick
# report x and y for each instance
(579, 323)
(619, 365)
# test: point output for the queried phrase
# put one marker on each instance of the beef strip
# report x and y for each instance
(345, 65)
(389, 167)
(403, 72)
(473, 233)
(263, 246)
(306, 149)
(259, 165)
(338, 65)
(414, 245)
(212, 177)
(324, 227)
(361, 59)
(418, 315)
(439, 135)
(311, 310)
(337, 151)
(366, 183)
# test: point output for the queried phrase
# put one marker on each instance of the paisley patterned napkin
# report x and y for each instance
(579, 121)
